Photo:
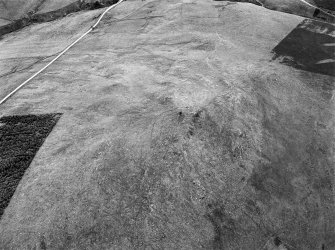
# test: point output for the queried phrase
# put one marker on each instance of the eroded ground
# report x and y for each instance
(180, 130)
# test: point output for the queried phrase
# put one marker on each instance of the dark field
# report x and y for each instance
(309, 47)
(327, 4)
(20, 139)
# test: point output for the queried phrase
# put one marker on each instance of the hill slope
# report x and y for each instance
(185, 125)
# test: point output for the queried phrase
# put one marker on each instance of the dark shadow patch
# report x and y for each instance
(316, 13)
(43, 245)
(20, 139)
(310, 47)
(224, 226)
(326, 4)
(96, 5)
(195, 123)
(277, 241)
(181, 116)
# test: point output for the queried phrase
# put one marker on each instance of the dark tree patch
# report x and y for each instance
(20, 139)
(316, 13)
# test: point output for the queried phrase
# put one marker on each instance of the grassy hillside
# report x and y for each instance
(180, 130)
(15, 9)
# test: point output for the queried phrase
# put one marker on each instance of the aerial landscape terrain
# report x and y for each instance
(173, 124)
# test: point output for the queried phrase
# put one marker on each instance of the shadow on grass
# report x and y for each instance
(20, 139)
